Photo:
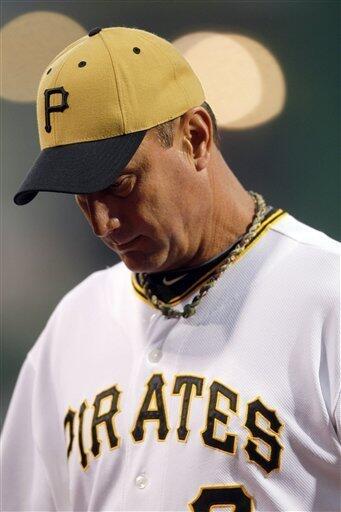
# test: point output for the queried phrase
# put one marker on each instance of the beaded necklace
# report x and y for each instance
(190, 308)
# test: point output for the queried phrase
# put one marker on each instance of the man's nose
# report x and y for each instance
(102, 219)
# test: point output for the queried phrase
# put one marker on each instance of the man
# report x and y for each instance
(175, 217)
(202, 371)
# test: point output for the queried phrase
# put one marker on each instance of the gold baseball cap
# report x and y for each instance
(95, 102)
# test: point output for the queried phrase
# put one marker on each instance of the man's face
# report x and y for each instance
(154, 213)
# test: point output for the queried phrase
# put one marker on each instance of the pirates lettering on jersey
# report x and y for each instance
(214, 415)
(107, 419)
(192, 387)
(257, 407)
(153, 394)
(68, 425)
(154, 409)
(83, 454)
(54, 108)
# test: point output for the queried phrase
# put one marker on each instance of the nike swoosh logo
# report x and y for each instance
(168, 282)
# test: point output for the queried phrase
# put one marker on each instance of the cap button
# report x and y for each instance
(94, 31)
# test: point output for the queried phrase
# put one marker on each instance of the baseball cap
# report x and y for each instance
(95, 102)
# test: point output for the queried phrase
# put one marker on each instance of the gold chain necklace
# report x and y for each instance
(190, 308)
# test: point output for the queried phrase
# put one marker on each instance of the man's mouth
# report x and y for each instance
(125, 245)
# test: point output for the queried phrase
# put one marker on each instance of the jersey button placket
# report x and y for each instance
(141, 481)
(155, 350)
(155, 355)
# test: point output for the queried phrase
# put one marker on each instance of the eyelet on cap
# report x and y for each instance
(49, 71)
(81, 64)
(136, 50)
(94, 31)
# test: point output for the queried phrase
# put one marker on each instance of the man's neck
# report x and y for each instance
(234, 212)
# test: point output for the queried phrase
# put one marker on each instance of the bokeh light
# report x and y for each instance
(243, 81)
(29, 42)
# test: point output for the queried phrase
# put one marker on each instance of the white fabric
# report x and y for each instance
(268, 329)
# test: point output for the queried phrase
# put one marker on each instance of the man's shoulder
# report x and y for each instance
(307, 237)
(118, 271)
(308, 258)
(93, 296)
(85, 305)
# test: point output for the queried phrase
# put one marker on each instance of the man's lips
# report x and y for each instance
(124, 245)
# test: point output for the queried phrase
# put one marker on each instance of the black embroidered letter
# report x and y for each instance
(57, 108)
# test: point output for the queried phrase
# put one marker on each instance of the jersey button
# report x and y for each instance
(155, 355)
(141, 481)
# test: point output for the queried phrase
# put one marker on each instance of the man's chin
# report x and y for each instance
(138, 261)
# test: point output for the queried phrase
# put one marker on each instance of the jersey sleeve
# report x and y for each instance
(337, 417)
(330, 367)
(31, 477)
(25, 483)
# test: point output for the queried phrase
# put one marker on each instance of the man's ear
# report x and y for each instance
(197, 132)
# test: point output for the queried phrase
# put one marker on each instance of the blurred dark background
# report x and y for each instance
(292, 160)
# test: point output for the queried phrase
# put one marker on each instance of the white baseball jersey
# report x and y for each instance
(237, 408)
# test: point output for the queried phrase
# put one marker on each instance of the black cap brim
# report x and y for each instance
(80, 168)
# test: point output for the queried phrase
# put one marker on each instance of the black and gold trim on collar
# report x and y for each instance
(173, 286)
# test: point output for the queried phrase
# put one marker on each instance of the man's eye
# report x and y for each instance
(124, 186)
